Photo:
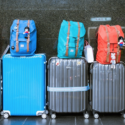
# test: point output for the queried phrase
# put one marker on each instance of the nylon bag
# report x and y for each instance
(23, 38)
(108, 50)
(71, 39)
(88, 52)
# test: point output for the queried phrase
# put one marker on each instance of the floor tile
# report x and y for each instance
(63, 120)
(80, 120)
(112, 119)
(37, 121)
(13, 121)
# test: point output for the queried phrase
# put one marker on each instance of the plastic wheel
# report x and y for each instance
(96, 116)
(123, 115)
(86, 116)
(53, 116)
(6, 115)
(44, 116)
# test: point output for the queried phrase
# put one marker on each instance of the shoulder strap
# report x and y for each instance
(118, 48)
(17, 32)
(28, 40)
(67, 44)
(108, 45)
(78, 39)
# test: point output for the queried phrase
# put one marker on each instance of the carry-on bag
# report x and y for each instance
(67, 86)
(24, 85)
(88, 52)
(108, 50)
(23, 38)
(71, 39)
(107, 93)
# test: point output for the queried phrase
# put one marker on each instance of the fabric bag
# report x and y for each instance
(71, 39)
(23, 38)
(88, 52)
(108, 50)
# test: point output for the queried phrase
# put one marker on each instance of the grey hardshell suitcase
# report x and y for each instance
(67, 86)
(107, 93)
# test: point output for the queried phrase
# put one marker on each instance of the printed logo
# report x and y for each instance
(21, 45)
(15, 27)
(71, 50)
(57, 63)
(78, 63)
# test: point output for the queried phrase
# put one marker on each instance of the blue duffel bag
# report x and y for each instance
(23, 38)
(71, 39)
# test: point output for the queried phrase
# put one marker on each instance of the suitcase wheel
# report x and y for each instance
(44, 116)
(123, 115)
(86, 115)
(96, 116)
(53, 116)
(6, 115)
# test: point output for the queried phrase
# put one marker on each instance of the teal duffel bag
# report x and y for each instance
(71, 39)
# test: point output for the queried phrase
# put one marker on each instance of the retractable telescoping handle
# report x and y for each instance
(5, 51)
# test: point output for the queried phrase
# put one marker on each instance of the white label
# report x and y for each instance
(71, 50)
(100, 19)
(15, 27)
(22, 45)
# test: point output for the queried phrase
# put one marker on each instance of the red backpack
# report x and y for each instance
(108, 49)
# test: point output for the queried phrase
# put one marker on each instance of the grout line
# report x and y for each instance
(49, 121)
(24, 121)
(75, 121)
(101, 121)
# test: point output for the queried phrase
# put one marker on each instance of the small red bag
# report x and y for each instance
(107, 39)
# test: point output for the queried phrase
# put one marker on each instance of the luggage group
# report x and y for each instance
(70, 89)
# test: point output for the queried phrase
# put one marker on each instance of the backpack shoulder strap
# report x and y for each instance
(67, 44)
(28, 40)
(108, 44)
(17, 33)
(78, 39)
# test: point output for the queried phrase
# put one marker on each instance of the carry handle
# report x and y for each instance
(6, 50)
(28, 40)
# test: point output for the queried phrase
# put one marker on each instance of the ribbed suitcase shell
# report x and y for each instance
(108, 88)
(0, 85)
(24, 84)
(68, 74)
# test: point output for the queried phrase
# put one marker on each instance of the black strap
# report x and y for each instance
(55, 44)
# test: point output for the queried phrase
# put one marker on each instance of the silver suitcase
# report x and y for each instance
(67, 86)
(107, 93)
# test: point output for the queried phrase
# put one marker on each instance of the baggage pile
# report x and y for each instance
(23, 73)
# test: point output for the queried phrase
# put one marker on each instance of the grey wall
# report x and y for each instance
(48, 15)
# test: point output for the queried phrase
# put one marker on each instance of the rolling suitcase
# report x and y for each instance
(24, 85)
(67, 86)
(0, 85)
(107, 88)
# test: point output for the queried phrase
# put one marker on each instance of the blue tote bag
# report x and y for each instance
(23, 38)
(71, 39)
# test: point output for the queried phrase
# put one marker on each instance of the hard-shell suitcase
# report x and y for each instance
(67, 86)
(107, 88)
(24, 85)
(0, 85)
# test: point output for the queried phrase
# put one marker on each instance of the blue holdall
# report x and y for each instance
(23, 38)
(71, 39)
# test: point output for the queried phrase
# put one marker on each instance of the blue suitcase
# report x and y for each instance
(24, 86)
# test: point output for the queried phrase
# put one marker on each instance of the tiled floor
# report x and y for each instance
(65, 119)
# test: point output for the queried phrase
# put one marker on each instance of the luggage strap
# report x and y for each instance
(17, 32)
(108, 45)
(118, 50)
(78, 39)
(67, 89)
(67, 44)
(28, 40)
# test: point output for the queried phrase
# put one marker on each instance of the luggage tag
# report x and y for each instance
(113, 60)
(121, 42)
